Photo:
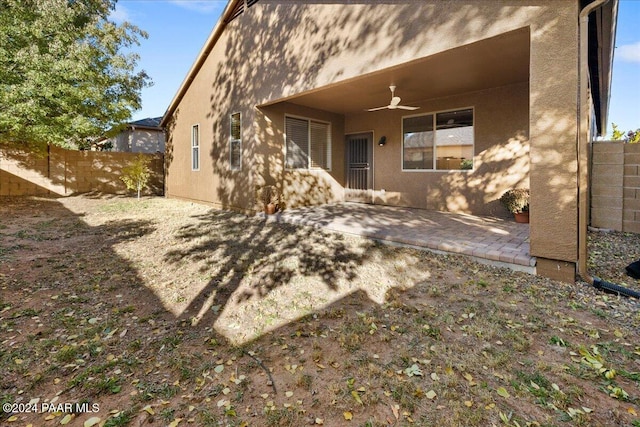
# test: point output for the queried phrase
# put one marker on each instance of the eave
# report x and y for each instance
(228, 14)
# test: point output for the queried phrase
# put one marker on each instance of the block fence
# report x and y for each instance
(57, 171)
(615, 186)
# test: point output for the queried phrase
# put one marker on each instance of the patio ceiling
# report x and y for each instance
(492, 62)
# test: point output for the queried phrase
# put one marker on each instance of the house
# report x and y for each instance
(509, 94)
(140, 136)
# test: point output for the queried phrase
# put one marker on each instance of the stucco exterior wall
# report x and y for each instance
(139, 141)
(501, 154)
(300, 187)
(553, 133)
(276, 50)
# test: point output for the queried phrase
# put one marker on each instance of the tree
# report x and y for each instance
(65, 71)
(136, 175)
(632, 136)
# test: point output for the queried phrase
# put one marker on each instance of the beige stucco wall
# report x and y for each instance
(501, 154)
(300, 187)
(276, 50)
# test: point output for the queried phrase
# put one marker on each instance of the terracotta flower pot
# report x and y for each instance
(270, 208)
(522, 217)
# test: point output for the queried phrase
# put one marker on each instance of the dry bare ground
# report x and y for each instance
(120, 312)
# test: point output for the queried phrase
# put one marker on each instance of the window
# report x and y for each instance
(235, 142)
(308, 144)
(441, 141)
(195, 147)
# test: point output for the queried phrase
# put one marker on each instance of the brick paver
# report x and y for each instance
(487, 238)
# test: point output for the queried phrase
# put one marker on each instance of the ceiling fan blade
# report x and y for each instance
(378, 108)
(405, 107)
(395, 101)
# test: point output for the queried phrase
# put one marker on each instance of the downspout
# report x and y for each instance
(583, 107)
(581, 140)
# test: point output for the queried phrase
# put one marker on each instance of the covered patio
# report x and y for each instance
(487, 239)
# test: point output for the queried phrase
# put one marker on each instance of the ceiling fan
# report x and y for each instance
(394, 104)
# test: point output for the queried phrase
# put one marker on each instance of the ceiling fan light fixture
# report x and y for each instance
(394, 104)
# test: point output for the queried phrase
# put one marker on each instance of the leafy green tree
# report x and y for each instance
(632, 136)
(66, 71)
(136, 175)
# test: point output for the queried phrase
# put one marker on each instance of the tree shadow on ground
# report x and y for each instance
(250, 258)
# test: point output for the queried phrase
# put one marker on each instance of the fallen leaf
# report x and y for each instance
(288, 393)
(175, 422)
(319, 421)
(430, 394)
(148, 409)
(356, 396)
(468, 403)
(413, 370)
(91, 421)
(347, 415)
(469, 378)
(503, 392)
(218, 368)
(66, 419)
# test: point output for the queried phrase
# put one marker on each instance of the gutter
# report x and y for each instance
(581, 143)
(583, 106)
(199, 62)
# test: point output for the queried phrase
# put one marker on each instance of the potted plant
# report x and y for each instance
(270, 198)
(516, 201)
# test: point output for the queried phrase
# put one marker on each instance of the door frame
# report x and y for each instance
(364, 196)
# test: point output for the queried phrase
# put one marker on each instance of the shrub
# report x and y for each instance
(136, 175)
(516, 200)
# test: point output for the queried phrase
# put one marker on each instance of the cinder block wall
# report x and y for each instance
(65, 172)
(615, 186)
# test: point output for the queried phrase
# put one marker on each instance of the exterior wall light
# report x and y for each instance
(383, 140)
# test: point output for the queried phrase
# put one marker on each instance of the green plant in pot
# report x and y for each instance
(516, 201)
(270, 198)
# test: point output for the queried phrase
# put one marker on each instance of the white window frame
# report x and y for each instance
(195, 147)
(435, 142)
(233, 140)
(309, 160)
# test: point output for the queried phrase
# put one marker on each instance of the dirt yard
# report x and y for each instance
(117, 312)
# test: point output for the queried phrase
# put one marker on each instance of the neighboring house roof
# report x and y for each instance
(148, 123)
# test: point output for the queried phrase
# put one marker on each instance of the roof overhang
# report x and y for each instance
(493, 62)
(230, 11)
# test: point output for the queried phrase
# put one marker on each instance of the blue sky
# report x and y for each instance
(178, 29)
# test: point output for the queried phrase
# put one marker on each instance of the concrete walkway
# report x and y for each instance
(493, 240)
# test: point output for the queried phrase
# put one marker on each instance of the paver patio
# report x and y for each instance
(485, 238)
